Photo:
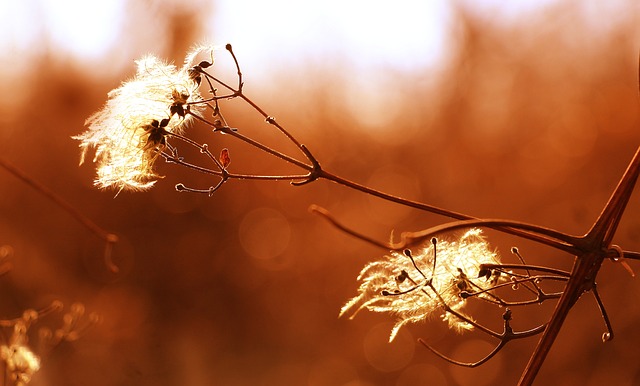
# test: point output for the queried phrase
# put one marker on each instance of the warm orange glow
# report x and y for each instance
(526, 110)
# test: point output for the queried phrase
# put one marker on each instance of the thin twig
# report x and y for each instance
(109, 238)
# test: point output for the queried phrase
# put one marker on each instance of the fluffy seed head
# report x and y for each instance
(414, 292)
(130, 129)
(20, 362)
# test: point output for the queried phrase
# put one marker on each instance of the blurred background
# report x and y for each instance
(524, 110)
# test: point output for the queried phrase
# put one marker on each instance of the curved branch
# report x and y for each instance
(109, 238)
(465, 364)
(550, 238)
(507, 335)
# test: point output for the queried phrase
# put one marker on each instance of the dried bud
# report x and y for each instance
(225, 160)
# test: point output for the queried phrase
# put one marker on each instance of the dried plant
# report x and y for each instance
(16, 353)
(399, 285)
(145, 118)
(128, 132)
(21, 359)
